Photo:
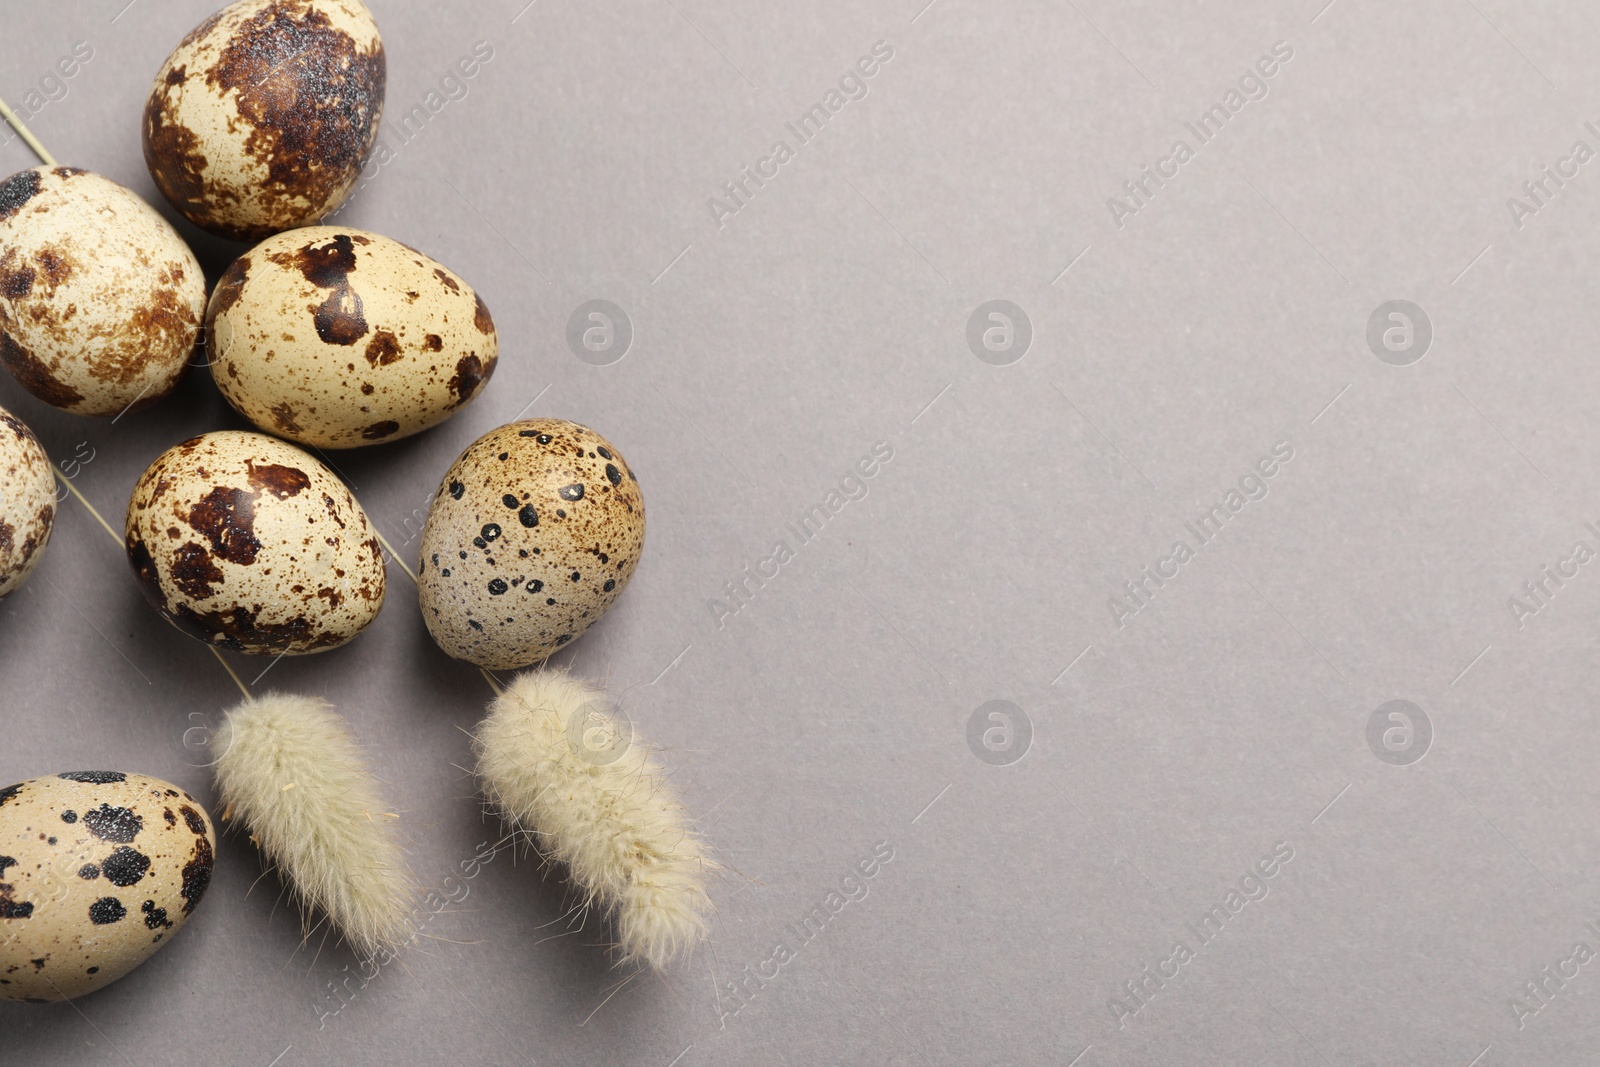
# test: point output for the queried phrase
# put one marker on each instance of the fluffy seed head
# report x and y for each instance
(559, 761)
(290, 768)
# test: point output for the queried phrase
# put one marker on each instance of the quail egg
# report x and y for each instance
(98, 870)
(260, 118)
(337, 338)
(532, 536)
(27, 502)
(100, 299)
(250, 544)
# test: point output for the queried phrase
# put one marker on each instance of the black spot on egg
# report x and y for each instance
(155, 918)
(18, 190)
(497, 586)
(456, 489)
(197, 874)
(88, 872)
(94, 777)
(613, 475)
(571, 492)
(490, 531)
(107, 910)
(509, 501)
(125, 866)
(117, 825)
(69, 816)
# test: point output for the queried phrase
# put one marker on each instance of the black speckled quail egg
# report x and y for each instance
(260, 118)
(100, 299)
(27, 502)
(250, 544)
(98, 870)
(532, 536)
(338, 338)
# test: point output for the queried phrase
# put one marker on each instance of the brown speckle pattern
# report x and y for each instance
(528, 542)
(100, 893)
(335, 338)
(259, 120)
(27, 502)
(100, 299)
(249, 544)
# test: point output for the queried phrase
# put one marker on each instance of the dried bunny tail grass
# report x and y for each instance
(559, 762)
(291, 769)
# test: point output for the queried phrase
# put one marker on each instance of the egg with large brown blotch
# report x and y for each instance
(100, 299)
(98, 871)
(532, 536)
(249, 544)
(338, 338)
(260, 118)
(27, 502)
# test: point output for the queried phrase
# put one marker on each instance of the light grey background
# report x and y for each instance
(1168, 754)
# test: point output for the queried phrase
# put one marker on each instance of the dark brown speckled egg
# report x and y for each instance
(532, 536)
(27, 502)
(100, 299)
(250, 544)
(338, 338)
(98, 870)
(260, 118)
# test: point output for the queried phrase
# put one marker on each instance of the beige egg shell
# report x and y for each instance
(98, 870)
(100, 299)
(27, 502)
(250, 544)
(260, 118)
(533, 534)
(337, 338)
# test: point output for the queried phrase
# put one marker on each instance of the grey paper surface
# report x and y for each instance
(1158, 751)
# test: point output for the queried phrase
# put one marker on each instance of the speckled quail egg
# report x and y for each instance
(98, 870)
(259, 120)
(249, 544)
(533, 534)
(338, 338)
(27, 502)
(100, 299)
